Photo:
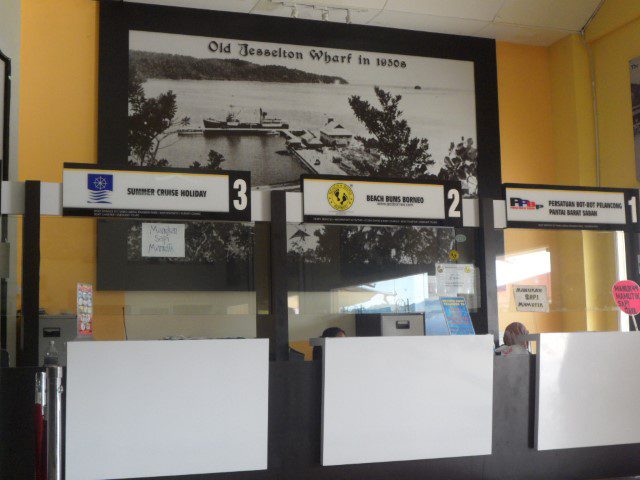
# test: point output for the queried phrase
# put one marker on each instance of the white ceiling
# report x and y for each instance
(533, 22)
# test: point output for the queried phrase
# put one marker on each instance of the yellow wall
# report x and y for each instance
(546, 123)
(527, 151)
(548, 136)
(613, 15)
(611, 55)
(57, 124)
(524, 98)
(614, 37)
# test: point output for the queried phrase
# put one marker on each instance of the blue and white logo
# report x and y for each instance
(100, 187)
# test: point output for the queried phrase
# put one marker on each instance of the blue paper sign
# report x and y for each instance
(434, 321)
(457, 316)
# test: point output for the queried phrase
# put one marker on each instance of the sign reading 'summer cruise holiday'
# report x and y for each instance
(358, 200)
(90, 190)
(569, 207)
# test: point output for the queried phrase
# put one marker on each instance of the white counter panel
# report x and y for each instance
(587, 387)
(406, 398)
(158, 408)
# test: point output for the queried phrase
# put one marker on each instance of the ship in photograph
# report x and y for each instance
(634, 67)
(233, 125)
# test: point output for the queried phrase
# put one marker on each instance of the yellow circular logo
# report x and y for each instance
(454, 255)
(340, 196)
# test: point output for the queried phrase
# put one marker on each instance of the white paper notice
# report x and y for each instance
(163, 240)
(531, 298)
(455, 278)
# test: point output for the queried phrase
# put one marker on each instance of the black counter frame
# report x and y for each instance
(295, 397)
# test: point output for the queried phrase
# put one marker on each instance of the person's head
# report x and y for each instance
(512, 332)
(332, 332)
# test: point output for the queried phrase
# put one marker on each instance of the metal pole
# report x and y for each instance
(54, 423)
(40, 426)
(4, 162)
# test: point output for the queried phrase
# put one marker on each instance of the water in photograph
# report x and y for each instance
(441, 116)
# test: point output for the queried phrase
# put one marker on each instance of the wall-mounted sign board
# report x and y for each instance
(140, 192)
(363, 200)
(578, 208)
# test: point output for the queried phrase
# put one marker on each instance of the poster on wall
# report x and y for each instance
(457, 316)
(281, 110)
(84, 309)
(634, 67)
(282, 105)
(455, 278)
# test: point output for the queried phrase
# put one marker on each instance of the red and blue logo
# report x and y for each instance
(522, 204)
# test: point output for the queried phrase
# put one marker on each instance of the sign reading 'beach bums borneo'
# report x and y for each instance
(361, 200)
(538, 206)
(90, 190)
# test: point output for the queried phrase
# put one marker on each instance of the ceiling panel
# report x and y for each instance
(243, 6)
(358, 14)
(429, 23)
(473, 9)
(535, 22)
(565, 14)
(527, 35)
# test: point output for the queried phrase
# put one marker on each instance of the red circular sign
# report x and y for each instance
(626, 293)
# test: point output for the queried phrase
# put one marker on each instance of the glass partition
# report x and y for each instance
(336, 272)
(155, 279)
(577, 269)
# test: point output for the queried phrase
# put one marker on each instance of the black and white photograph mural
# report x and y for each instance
(279, 111)
(634, 66)
(283, 110)
(326, 257)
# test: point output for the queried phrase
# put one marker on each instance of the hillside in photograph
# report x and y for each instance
(183, 67)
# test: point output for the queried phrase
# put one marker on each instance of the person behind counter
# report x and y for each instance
(330, 332)
(511, 344)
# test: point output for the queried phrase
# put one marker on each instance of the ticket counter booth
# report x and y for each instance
(589, 242)
(511, 407)
(195, 318)
(157, 277)
(319, 415)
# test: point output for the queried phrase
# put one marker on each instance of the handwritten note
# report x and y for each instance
(165, 240)
(531, 298)
(626, 294)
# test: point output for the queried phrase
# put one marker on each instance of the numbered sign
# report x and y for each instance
(363, 200)
(172, 193)
(564, 207)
